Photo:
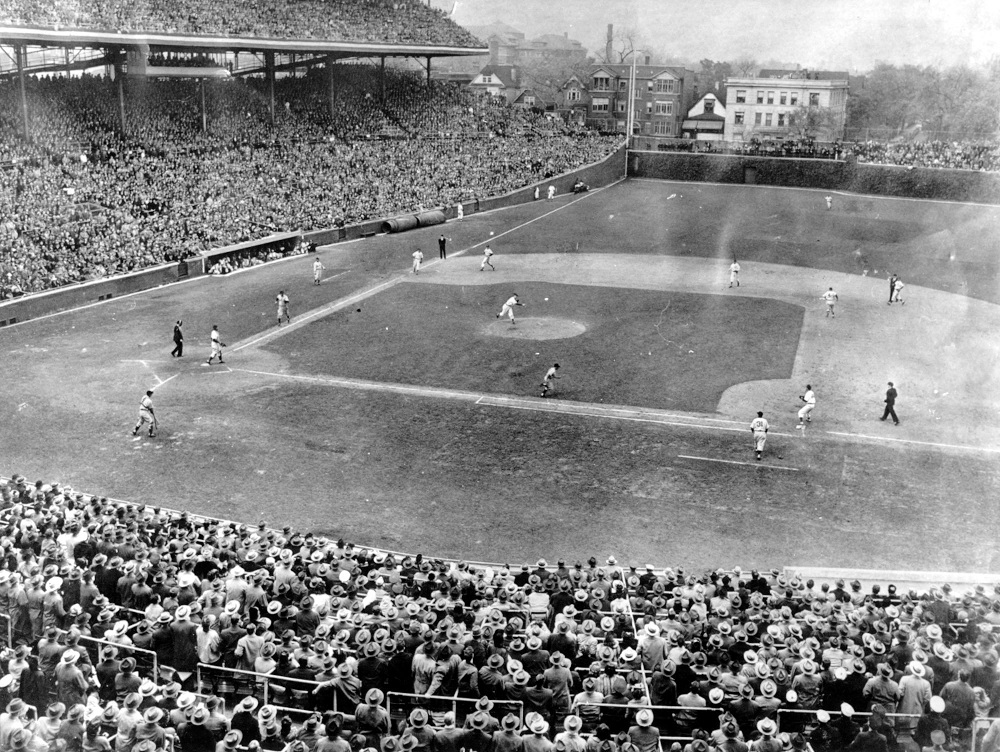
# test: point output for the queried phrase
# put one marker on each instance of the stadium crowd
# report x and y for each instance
(144, 628)
(382, 21)
(85, 200)
(955, 155)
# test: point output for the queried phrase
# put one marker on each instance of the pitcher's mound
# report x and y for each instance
(536, 328)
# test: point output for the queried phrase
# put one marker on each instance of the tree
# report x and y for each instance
(814, 122)
(547, 74)
(745, 66)
(625, 42)
(712, 75)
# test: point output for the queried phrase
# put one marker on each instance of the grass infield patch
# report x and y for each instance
(665, 350)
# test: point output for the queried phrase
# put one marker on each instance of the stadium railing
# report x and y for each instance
(267, 688)
(399, 705)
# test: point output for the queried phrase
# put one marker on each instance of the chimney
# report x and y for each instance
(647, 60)
(607, 45)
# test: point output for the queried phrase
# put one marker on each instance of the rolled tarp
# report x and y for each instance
(426, 219)
(400, 224)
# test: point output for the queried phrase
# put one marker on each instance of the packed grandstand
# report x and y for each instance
(146, 628)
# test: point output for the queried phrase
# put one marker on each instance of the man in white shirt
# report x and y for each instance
(830, 297)
(734, 273)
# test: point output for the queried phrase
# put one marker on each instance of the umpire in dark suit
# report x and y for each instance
(890, 404)
(178, 350)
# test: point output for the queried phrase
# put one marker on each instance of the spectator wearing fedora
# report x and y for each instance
(882, 689)
(193, 735)
(644, 735)
(71, 685)
(569, 738)
(127, 722)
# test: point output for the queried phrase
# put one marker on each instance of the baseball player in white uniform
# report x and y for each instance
(508, 308)
(217, 345)
(547, 380)
(830, 297)
(810, 403)
(487, 255)
(418, 256)
(758, 427)
(146, 414)
(282, 301)
(734, 273)
(318, 269)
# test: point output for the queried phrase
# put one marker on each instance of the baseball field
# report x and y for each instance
(398, 411)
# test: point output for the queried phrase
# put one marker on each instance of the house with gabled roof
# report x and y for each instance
(497, 81)
(706, 120)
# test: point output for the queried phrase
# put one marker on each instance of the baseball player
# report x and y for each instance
(550, 376)
(810, 403)
(508, 308)
(830, 297)
(734, 273)
(146, 414)
(318, 270)
(217, 345)
(758, 427)
(897, 289)
(418, 256)
(829, 202)
(282, 300)
(487, 254)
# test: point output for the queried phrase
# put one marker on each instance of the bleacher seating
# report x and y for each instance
(384, 21)
(155, 629)
(162, 190)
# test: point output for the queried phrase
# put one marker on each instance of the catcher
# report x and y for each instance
(217, 345)
(146, 414)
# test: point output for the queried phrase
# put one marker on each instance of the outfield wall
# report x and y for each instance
(850, 176)
(32, 306)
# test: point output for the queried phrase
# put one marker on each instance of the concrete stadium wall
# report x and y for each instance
(66, 298)
(75, 296)
(825, 174)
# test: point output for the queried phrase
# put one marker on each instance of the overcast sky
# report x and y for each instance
(823, 34)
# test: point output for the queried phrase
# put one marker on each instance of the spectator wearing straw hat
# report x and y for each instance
(915, 696)
(128, 722)
(245, 721)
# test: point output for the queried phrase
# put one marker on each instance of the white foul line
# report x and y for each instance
(164, 381)
(734, 462)
(913, 441)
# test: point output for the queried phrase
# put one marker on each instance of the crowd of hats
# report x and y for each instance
(586, 646)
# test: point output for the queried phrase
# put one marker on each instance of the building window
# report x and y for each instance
(487, 79)
(663, 128)
(599, 104)
(530, 101)
(814, 99)
(757, 118)
(781, 118)
(649, 108)
(622, 84)
(770, 97)
(602, 83)
(767, 119)
(620, 105)
(664, 108)
(739, 117)
(760, 97)
(791, 119)
(783, 97)
(793, 98)
(741, 96)
(664, 85)
(573, 95)
(709, 105)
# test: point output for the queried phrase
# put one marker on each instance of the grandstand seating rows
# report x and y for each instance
(87, 200)
(381, 21)
(155, 628)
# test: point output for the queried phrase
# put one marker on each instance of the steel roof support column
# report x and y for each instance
(269, 64)
(21, 52)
